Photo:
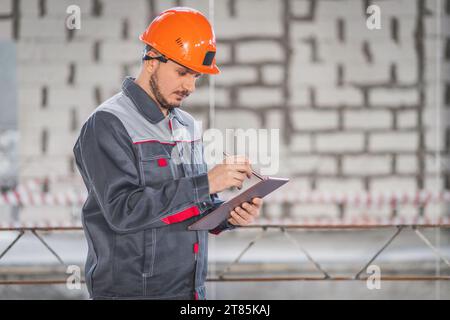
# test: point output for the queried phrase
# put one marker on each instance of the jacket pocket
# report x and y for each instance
(155, 163)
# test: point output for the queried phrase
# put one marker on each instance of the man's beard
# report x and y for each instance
(158, 95)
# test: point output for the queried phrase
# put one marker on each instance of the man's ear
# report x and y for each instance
(150, 65)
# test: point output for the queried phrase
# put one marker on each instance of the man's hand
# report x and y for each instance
(246, 213)
(231, 173)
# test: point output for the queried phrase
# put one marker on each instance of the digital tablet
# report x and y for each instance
(258, 190)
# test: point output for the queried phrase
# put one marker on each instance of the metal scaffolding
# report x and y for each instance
(284, 229)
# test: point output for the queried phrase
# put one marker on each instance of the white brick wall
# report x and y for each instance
(394, 97)
(407, 119)
(259, 51)
(340, 142)
(260, 97)
(300, 143)
(393, 184)
(314, 120)
(314, 101)
(368, 165)
(312, 165)
(367, 119)
(335, 97)
(272, 74)
(393, 141)
(339, 185)
(406, 164)
(236, 75)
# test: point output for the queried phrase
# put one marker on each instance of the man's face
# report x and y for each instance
(171, 83)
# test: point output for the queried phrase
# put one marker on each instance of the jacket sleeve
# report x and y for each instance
(107, 162)
(224, 225)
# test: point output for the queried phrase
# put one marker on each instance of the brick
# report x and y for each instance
(54, 52)
(327, 9)
(228, 120)
(44, 29)
(29, 95)
(300, 143)
(58, 8)
(300, 8)
(35, 74)
(121, 9)
(434, 141)
(407, 119)
(274, 119)
(367, 74)
(400, 8)
(323, 29)
(116, 52)
(99, 74)
(332, 51)
(306, 74)
(272, 74)
(60, 143)
(403, 53)
(335, 97)
(406, 164)
(393, 97)
(339, 185)
(362, 33)
(223, 53)
(29, 8)
(367, 119)
(232, 28)
(407, 73)
(6, 7)
(393, 141)
(6, 30)
(367, 165)
(260, 97)
(314, 210)
(259, 9)
(312, 165)
(161, 5)
(236, 75)
(340, 142)
(314, 120)
(201, 97)
(259, 51)
(393, 184)
(299, 97)
(93, 29)
(81, 97)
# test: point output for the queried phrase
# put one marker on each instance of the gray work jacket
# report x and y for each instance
(147, 181)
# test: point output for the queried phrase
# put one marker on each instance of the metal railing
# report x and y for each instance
(284, 229)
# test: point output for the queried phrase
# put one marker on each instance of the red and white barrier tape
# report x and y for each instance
(25, 197)
(354, 221)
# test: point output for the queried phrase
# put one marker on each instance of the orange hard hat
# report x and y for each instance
(185, 36)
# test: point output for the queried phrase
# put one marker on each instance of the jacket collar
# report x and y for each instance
(145, 104)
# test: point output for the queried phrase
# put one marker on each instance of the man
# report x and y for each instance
(141, 158)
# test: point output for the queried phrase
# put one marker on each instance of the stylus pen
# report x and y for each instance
(253, 171)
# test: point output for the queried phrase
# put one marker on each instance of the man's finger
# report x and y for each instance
(235, 214)
(248, 217)
(251, 209)
(232, 221)
(257, 201)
